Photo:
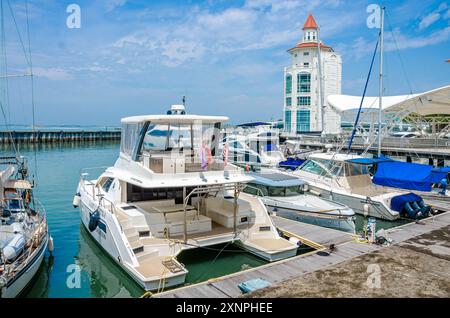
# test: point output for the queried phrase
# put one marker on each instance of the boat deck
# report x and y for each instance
(278, 272)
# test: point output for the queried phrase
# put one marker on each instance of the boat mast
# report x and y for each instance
(319, 61)
(380, 98)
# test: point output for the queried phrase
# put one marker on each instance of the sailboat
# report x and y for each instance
(24, 235)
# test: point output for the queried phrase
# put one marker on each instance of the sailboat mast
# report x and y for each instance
(380, 98)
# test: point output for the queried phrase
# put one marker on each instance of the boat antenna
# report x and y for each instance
(184, 100)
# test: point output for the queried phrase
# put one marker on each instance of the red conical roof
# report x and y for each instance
(310, 23)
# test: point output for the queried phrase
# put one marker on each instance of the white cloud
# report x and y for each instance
(405, 42)
(447, 14)
(429, 20)
(178, 51)
(110, 5)
(52, 73)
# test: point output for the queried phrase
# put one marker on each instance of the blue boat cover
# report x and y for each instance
(406, 175)
(398, 202)
(369, 161)
(292, 163)
(253, 284)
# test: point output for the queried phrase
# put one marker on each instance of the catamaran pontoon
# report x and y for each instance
(162, 198)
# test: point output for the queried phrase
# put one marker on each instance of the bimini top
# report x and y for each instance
(179, 119)
(274, 179)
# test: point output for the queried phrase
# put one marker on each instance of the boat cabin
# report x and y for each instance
(173, 143)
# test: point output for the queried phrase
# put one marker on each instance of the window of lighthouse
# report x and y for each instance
(303, 83)
(288, 84)
(303, 101)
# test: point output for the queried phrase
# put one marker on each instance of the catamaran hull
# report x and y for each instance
(106, 242)
(345, 224)
(22, 280)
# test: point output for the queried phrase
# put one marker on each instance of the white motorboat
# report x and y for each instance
(259, 148)
(23, 229)
(289, 196)
(336, 177)
(160, 199)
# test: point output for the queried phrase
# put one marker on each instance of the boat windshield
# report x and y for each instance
(179, 136)
(285, 191)
(323, 167)
(14, 204)
(273, 191)
(352, 169)
(165, 137)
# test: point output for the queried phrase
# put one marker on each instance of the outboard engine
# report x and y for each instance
(410, 205)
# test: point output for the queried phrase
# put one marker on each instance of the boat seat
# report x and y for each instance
(221, 211)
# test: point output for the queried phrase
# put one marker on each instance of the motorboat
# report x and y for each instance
(259, 149)
(23, 230)
(289, 196)
(338, 177)
(162, 198)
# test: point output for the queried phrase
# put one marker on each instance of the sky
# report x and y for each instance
(133, 57)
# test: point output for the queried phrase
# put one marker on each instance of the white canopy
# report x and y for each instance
(436, 101)
(178, 119)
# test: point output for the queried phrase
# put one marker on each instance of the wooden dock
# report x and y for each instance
(346, 248)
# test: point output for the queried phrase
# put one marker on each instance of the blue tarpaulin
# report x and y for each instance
(369, 161)
(406, 175)
(398, 202)
(291, 163)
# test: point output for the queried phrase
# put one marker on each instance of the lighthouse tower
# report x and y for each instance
(305, 95)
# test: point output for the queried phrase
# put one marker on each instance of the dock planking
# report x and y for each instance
(320, 235)
(280, 271)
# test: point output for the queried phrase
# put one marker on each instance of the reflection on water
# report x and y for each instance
(106, 278)
(215, 261)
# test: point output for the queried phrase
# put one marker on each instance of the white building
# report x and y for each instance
(302, 93)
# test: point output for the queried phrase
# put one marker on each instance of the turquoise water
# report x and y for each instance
(59, 167)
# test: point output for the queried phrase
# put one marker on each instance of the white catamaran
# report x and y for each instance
(161, 198)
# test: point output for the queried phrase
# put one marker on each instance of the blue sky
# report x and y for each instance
(134, 57)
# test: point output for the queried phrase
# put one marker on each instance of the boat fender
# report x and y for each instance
(366, 209)
(76, 200)
(295, 240)
(51, 246)
(14, 247)
(93, 221)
